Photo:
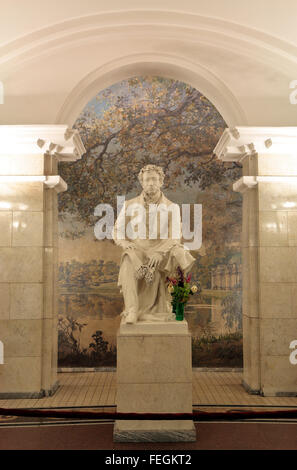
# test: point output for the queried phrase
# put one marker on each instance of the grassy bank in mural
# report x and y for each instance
(218, 351)
(82, 344)
(208, 350)
(130, 124)
(72, 353)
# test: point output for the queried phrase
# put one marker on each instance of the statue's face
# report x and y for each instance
(151, 182)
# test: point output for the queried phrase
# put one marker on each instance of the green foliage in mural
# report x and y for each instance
(76, 275)
(217, 351)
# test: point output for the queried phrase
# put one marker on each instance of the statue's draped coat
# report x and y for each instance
(152, 301)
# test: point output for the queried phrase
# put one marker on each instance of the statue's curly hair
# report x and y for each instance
(155, 168)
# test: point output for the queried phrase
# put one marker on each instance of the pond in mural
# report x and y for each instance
(133, 123)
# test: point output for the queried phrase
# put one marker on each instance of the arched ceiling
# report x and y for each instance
(50, 70)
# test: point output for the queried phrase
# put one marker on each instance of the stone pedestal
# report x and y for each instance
(154, 375)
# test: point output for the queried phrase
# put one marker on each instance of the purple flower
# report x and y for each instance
(180, 274)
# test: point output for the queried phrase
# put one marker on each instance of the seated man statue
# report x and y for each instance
(152, 252)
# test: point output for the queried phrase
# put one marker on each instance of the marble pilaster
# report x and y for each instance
(269, 252)
(29, 184)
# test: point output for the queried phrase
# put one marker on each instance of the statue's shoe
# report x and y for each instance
(131, 318)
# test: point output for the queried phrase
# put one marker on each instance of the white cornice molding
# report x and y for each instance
(50, 181)
(238, 142)
(250, 182)
(56, 182)
(244, 183)
(240, 38)
(57, 140)
(157, 63)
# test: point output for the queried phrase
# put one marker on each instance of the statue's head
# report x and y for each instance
(151, 178)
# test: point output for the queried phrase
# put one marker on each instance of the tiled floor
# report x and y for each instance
(78, 389)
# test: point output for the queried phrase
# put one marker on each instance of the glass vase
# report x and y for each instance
(179, 311)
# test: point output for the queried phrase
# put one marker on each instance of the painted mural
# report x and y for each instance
(126, 126)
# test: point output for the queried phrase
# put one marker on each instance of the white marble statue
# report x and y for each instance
(148, 229)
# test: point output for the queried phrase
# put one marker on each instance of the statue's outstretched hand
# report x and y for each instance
(155, 260)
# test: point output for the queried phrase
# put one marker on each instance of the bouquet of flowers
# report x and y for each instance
(180, 290)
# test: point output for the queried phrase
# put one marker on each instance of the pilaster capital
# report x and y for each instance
(57, 140)
(51, 181)
(56, 182)
(249, 182)
(239, 142)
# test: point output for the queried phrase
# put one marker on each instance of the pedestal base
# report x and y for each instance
(154, 431)
(154, 375)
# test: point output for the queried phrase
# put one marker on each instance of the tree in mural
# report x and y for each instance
(221, 225)
(150, 120)
(98, 344)
(158, 121)
(101, 351)
(67, 326)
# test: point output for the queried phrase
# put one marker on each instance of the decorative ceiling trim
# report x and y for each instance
(238, 142)
(57, 140)
(249, 182)
(178, 25)
(52, 181)
(166, 65)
